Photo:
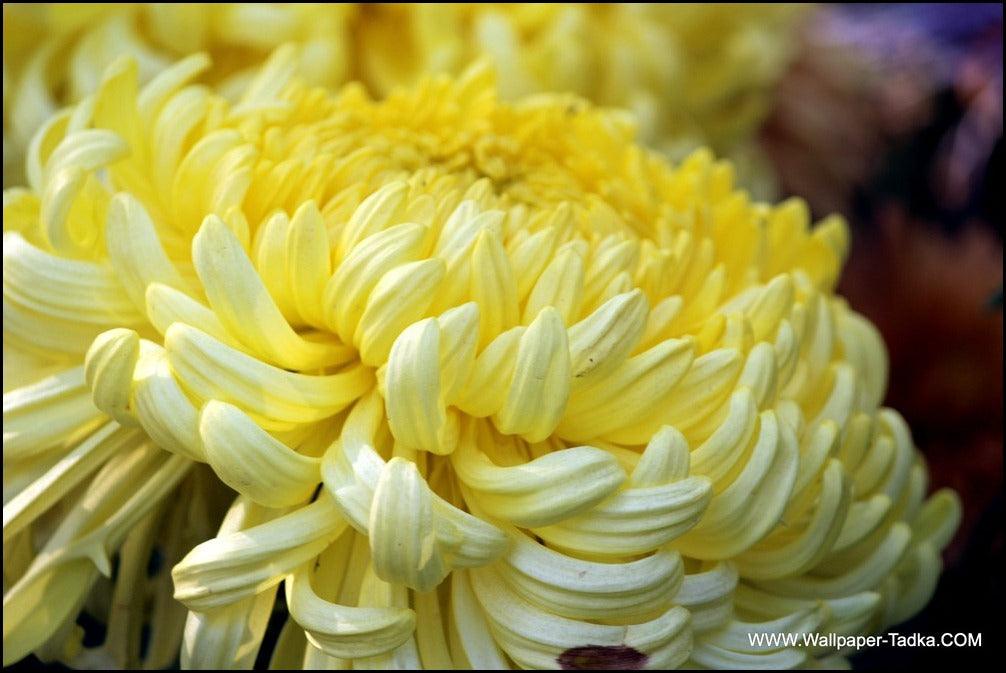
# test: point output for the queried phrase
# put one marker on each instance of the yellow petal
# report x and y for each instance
(108, 370)
(308, 262)
(602, 340)
(244, 306)
(212, 370)
(346, 293)
(417, 414)
(38, 416)
(544, 491)
(403, 539)
(538, 391)
(537, 639)
(570, 587)
(346, 632)
(253, 463)
(238, 565)
(399, 299)
(492, 286)
(136, 253)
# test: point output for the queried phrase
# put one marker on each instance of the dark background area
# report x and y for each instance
(892, 115)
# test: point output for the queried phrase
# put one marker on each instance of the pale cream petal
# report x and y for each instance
(493, 287)
(431, 638)
(602, 340)
(570, 587)
(346, 293)
(864, 576)
(375, 593)
(472, 644)
(379, 211)
(229, 636)
(108, 371)
(399, 299)
(560, 285)
(67, 473)
(657, 505)
(544, 491)
(244, 306)
(137, 255)
(792, 552)
(346, 632)
(236, 566)
(38, 416)
(708, 595)
(539, 388)
(403, 540)
(212, 370)
(308, 263)
(417, 413)
(61, 289)
(628, 406)
(538, 639)
(746, 510)
(162, 408)
(57, 582)
(251, 461)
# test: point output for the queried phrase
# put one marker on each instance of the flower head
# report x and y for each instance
(686, 88)
(495, 385)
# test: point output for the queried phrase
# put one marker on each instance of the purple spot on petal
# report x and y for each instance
(602, 658)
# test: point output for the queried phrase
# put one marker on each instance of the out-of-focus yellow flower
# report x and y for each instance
(692, 74)
(495, 385)
(56, 53)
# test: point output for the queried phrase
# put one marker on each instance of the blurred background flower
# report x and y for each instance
(55, 53)
(658, 61)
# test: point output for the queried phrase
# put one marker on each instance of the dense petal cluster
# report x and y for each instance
(496, 386)
(56, 53)
(658, 61)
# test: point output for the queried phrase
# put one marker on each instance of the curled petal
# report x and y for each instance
(658, 505)
(163, 409)
(346, 293)
(346, 632)
(108, 370)
(233, 567)
(403, 539)
(417, 414)
(244, 306)
(627, 406)
(534, 638)
(399, 299)
(751, 505)
(540, 385)
(136, 252)
(570, 587)
(602, 340)
(708, 595)
(252, 462)
(213, 370)
(544, 491)
(38, 416)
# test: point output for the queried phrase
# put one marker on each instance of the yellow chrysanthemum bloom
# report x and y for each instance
(692, 74)
(56, 53)
(496, 386)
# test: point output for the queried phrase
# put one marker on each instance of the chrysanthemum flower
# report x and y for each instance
(693, 75)
(655, 59)
(56, 53)
(496, 387)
